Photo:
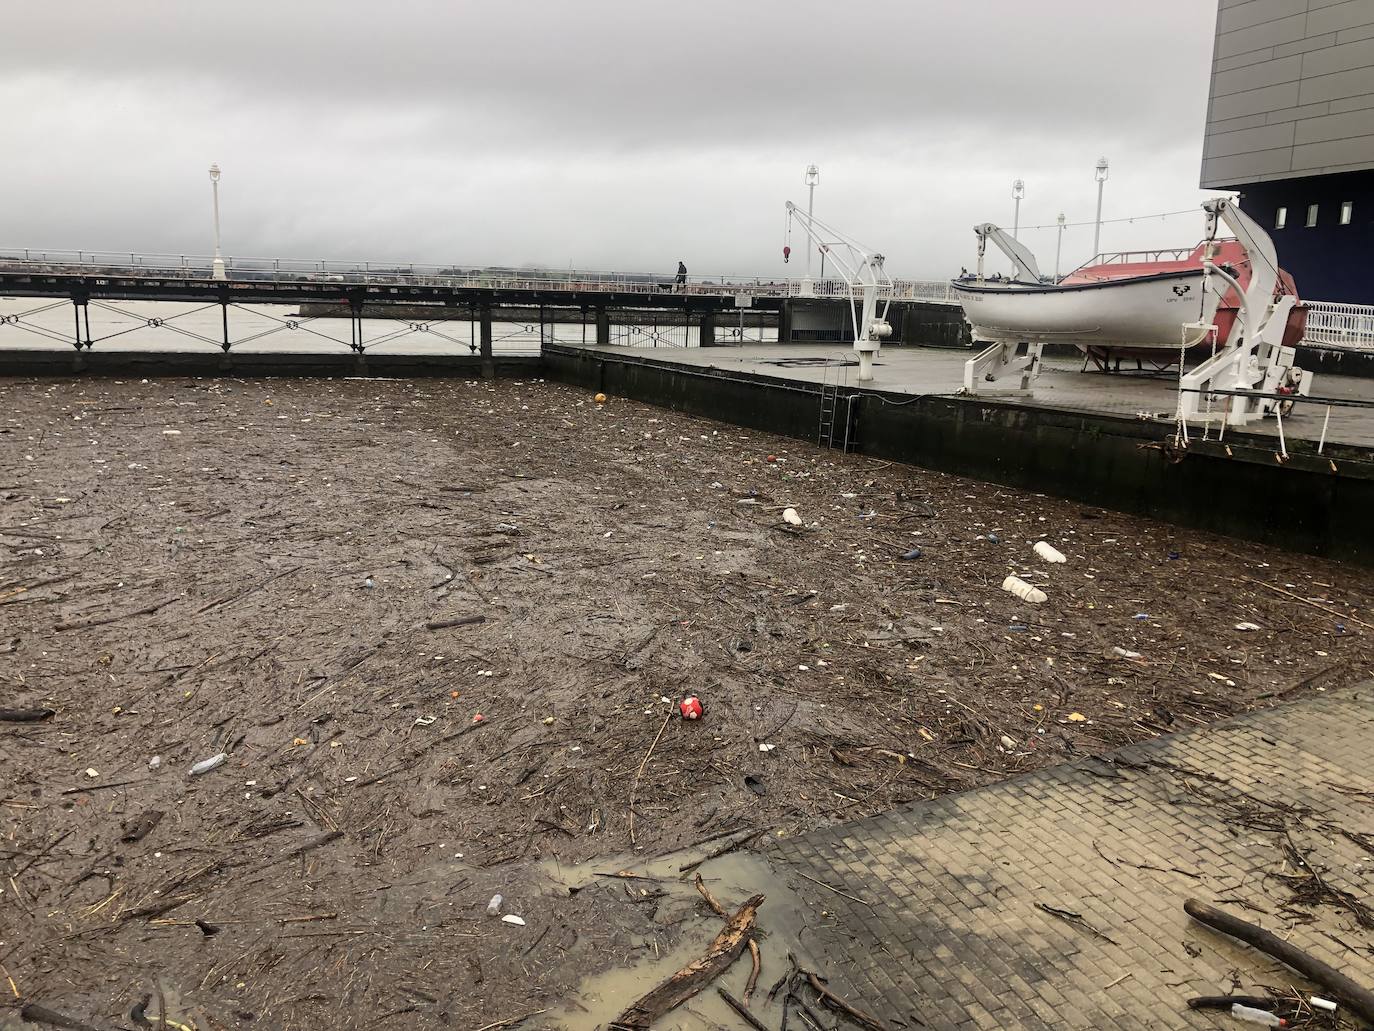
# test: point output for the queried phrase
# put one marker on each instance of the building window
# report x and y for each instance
(1311, 215)
(1280, 218)
(1347, 209)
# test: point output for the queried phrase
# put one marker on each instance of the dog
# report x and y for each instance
(666, 287)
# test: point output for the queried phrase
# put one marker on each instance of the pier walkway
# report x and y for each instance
(921, 371)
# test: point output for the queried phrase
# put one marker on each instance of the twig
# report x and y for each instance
(711, 900)
(634, 788)
(104, 787)
(418, 753)
(444, 624)
(85, 623)
(742, 1010)
(1306, 601)
(837, 891)
(729, 846)
(511, 1022)
(837, 1004)
(1068, 916)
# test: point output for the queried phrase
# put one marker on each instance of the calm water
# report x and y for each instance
(166, 326)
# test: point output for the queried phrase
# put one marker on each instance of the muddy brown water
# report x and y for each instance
(185, 568)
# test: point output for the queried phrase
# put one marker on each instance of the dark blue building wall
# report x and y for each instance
(1329, 261)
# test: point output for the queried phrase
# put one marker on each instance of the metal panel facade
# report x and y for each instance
(1292, 91)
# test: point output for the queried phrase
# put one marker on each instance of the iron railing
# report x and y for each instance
(1342, 327)
(250, 269)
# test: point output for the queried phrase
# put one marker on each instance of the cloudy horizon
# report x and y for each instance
(600, 134)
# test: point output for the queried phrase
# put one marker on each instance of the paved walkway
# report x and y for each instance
(919, 370)
(950, 929)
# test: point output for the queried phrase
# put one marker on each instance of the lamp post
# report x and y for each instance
(1018, 190)
(1059, 247)
(1100, 174)
(217, 266)
(813, 177)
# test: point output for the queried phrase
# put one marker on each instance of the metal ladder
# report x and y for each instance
(830, 406)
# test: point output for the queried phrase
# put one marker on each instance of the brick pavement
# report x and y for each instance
(952, 934)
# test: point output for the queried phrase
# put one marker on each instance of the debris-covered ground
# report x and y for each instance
(262, 569)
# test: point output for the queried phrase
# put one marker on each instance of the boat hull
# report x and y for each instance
(1140, 314)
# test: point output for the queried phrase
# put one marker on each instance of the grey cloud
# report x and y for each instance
(600, 133)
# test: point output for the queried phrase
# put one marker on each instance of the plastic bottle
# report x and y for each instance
(1254, 1016)
(1015, 585)
(494, 906)
(1049, 552)
(212, 763)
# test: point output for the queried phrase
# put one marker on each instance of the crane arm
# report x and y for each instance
(860, 268)
(1021, 257)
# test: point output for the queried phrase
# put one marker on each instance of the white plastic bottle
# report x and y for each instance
(1254, 1016)
(1049, 552)
(1015, 585)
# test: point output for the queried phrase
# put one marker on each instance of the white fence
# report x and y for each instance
(1343, 327)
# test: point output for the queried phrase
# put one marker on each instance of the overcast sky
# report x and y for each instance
(621, 135)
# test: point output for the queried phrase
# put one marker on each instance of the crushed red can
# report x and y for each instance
(690, 707)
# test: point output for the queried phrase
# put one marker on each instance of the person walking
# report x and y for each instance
(681, 276)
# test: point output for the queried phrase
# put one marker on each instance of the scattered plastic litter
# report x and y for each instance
(494, 906)
(91, 771)
(155, 762)
(1247, 626)
(368, 584)
(1077, 717)
(1322, 1004)
(789, 516)
(993, 538)
(1018, 628)
(1124, 653)
(914, 553)
(1049, 552)
(1008, 743)
(767, 748)
(511, 918)
(600, 399)
(1141, 616)
(1174, 556)
(1015, 585)
(212, 763)
(690, 707)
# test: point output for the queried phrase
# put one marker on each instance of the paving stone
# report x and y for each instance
(954, 933)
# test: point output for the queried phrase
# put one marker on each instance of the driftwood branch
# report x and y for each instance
(753, 981)
(1358, 998)
(723, 951)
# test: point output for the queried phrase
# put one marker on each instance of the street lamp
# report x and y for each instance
(1100, 174)
(1059, 247)
(1018, 191)
(217, 266)
(813, 177)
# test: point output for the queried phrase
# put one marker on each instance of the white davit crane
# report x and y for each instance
(860, 268)
(1253, 360)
